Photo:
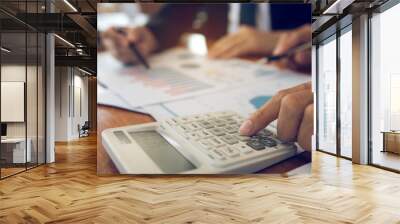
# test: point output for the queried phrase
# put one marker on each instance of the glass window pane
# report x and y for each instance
(385, 114)
(31, 98)
(327, 97)
(23, 85)
(346, 94)
(13, 86)
(32, 87)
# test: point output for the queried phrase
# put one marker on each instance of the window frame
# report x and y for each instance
(381, 9)
(31, 30)
(347, 27)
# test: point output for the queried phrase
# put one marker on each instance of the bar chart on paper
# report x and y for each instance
(140, 87)
(244, 100)
(209, 84)
(171, 82)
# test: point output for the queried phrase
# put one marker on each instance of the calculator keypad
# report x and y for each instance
(217, 135)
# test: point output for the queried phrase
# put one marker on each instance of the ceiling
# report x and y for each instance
(21, 21)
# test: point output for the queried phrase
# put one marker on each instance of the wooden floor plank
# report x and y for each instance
(69, 191)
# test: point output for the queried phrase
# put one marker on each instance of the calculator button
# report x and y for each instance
(264, 133)
(193, 136)
(256, 145)
(182, 131)
(202, 134)
(217, 131)
(231, 130)
(170, 122)
(183, 128)
(182, 120)
(230, 121)
(212, 121)
(243, 138)
(269, 142)
(216, 142)
(196, 117)
(206, 133)
(244, 148)
(193, 126)
(231, 152)
(218, 154)
(235, 126)
(205, 124)
(219, 122)
(238, 119)
(204, 143)
(254, 138)
(174, 121)
(229, 139)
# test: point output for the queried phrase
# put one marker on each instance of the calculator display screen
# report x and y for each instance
(168, 159)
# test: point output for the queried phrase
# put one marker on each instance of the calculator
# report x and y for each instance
(198, 144)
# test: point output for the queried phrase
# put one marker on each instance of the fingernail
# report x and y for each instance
(246, 127)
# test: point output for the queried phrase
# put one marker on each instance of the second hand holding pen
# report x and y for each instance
(135, 50)
(288, 53)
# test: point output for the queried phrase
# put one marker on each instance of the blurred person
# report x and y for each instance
(237, 29)
(292, 107)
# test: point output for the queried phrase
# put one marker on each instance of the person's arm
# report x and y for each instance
(300, 61)
(294, 110)
(246, 41)
(163, 31)
(118, 44)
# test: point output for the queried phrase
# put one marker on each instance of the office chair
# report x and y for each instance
(84, 130)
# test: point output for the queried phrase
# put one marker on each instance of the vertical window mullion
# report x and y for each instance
(370, 152)
(37, 89)
(0, 94)
(26, 86)
(317, 97)
(338, 74)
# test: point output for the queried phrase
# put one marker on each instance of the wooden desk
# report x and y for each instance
(17, 153)
(391, 141)
(109, 117)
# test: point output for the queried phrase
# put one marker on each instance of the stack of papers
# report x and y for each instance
(180, 83)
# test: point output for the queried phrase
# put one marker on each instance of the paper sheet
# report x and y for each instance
(243, 100)
(183, 84)
(109, 98)
(176, 74)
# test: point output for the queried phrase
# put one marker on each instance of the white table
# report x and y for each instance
(18, 149)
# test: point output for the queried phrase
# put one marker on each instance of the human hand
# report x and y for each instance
(118, 43)
(294, 109)
(299, 61)
(245, 41)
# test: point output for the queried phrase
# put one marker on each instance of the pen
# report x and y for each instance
(135, 50)
(288, 53)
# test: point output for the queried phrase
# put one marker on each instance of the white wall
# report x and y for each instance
(81, 100)
(12, 73)
(70, 83)
(61, 103)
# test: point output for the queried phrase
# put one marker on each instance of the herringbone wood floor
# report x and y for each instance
(70, 192)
